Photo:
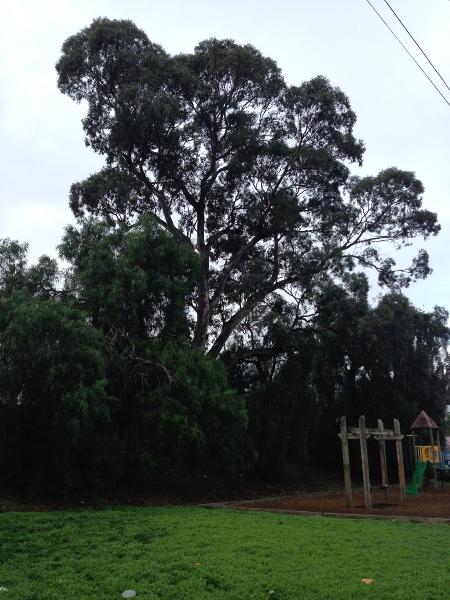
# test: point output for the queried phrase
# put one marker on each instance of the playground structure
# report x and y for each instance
(433, 506)
(362, 433)
(446, 452)
(427, 451)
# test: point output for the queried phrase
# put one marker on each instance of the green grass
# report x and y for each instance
(193, 553)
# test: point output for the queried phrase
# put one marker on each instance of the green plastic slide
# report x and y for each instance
(414, 486)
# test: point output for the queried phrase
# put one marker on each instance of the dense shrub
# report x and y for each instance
(178, 415)
(55, 413)
(98, 383)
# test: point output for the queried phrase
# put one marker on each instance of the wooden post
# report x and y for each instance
(401, 468)
(346, 462)
(384, 476)
(440, 457)
(439, 447)
(413, 452)
(365, 462)
(433, 464)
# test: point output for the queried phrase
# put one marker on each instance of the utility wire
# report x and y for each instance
(416, 43)
(409, 53)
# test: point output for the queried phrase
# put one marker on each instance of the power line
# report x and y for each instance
(409, 53)
(416, 43)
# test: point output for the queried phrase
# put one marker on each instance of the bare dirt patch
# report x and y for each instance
(434, 503)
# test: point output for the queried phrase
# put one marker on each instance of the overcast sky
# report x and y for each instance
(401, 118)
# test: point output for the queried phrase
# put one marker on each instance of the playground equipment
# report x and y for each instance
(416, 482)
(425, 437)
(427, 451)
(446, 452)
(382, 435)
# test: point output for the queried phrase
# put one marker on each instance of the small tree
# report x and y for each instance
(175, 411)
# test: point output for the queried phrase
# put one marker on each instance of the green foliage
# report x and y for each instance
(98, 383)
(176, 411)
(135, 283)
(189, 419)
(186, 553)
(388, 361)
(406, 360)
(54, 408)
(12, 264)
(250, 173)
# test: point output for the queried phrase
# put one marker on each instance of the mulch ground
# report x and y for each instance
(432, 502)
(192, 491)
(311, 490)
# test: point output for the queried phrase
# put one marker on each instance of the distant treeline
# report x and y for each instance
(100, 385)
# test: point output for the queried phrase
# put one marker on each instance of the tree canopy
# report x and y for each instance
(251, 173)
(385, 361)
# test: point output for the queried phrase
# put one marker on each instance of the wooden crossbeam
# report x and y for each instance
(370, 431)
(378, 436)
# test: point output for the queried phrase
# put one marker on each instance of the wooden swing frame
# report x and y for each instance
(382, 435)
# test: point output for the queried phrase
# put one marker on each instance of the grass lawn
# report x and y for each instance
(193, 553)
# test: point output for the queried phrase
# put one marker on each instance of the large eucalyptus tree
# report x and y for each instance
(249, 172)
